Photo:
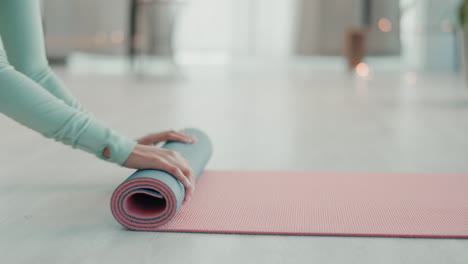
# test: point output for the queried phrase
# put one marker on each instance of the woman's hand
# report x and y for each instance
(146, 156)
(172, 135)
(149, 157)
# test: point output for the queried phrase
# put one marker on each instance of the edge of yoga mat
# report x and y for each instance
(132, 202)
(301, 234)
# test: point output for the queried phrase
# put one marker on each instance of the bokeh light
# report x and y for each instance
(385, 25)
(362, 69)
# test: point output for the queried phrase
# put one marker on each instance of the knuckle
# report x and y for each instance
(173, 170)
(187, 171)
(169, 153)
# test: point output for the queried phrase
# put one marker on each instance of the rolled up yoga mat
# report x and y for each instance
(294, 203)
(150, 198)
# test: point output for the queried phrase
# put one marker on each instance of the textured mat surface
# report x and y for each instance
(150, 198)
(348, 204)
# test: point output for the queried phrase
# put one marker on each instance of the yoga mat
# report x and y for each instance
(150, 198)
(344, 204)
(293, 203)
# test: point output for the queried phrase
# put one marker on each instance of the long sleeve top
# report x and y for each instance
(31, 93)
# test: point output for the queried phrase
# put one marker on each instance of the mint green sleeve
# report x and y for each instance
(30, 104)
(23, 38)
(31, 93)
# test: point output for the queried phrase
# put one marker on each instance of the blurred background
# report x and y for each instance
(413, 35)
(353, 85)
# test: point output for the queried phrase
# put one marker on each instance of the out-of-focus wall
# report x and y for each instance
(238, 27)
(85, 25)
(323, 23)
(265, 28)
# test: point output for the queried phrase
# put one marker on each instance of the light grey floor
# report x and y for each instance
(54, 201)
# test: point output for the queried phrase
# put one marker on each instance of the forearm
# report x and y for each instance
(23, 39)
(49, 81)
(28, 103)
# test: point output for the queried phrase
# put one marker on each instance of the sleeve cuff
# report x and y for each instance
(96, 137)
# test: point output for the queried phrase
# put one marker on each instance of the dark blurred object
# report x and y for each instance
(151, 27)
(355, 47)
(366, 12)
(464, 14)
(463, 39)
(131, 40)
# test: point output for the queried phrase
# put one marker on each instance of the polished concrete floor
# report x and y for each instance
(54, 201)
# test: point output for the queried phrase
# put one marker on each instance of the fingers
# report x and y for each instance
(180, 136)
(179, 168)
(184, 165)
(172, 135)
(149, 157)
(179, 175)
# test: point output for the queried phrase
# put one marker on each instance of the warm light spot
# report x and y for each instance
(411, 78)
(362, 69)
(385, 25)
(446, 26)
(117, 36)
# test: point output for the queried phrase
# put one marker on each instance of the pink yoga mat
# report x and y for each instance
(335, 204)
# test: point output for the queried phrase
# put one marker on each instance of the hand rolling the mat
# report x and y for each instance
(146, 156)
(31, 94)
(151, 198)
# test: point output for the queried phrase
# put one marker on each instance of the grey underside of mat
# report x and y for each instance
(197, 154)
